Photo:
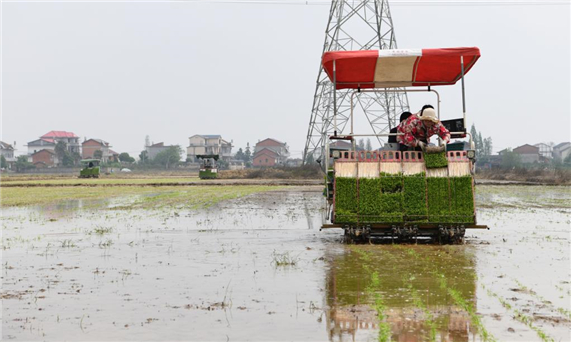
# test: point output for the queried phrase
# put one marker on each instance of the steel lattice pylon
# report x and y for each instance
(353, 25)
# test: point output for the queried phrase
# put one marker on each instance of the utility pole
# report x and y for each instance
(353, 25)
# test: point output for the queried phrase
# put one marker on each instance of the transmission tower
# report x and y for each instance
(353, 25)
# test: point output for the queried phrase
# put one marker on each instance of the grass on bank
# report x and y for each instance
(100, 181)
(150, 197)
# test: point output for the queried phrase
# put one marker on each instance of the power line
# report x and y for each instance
(396, 3)
(321, 2)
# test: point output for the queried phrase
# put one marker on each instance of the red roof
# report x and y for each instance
(398, 68)
(266, 151)
(278, 143)
(44, 150)
(59, 134)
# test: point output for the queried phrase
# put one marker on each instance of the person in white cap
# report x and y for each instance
(418, 128)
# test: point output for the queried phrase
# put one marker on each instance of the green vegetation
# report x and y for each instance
(391, 203)
(398, 199)
(373, 290)
(107, 180)
(438, 199)
(284, 259)
(415, 209)
(369, 199)
(435, 160)
(346, 200)
(146, 197)
(461, 199)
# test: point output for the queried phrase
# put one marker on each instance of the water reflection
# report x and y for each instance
(415, 284)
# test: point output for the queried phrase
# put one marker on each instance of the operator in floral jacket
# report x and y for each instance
(417, 129)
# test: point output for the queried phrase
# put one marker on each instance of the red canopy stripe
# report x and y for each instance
(398, 68)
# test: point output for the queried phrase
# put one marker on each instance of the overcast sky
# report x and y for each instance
(121, 71)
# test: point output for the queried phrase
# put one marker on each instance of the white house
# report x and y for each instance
(201, 144)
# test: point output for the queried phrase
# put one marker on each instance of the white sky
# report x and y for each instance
(119, 71)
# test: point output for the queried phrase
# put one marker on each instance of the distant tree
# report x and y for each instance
(248, 156)
(240, 155)
(61, 150)
(510, 159)
(76, 158)
(168, 157)
(143, 157)
(368, 146)
(147, 141)
(361, 144)
(22, 164)
(126, 158)
(247, 153)
(68, 160)
(488, 146)
(3, 162)
(98, 154)
(309, 159)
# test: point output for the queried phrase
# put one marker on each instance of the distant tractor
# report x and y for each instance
(90, 168)
(208, 168)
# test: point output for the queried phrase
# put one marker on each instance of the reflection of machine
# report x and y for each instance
(418, 200)
(414, 299)
(208, 168)
(90, 168)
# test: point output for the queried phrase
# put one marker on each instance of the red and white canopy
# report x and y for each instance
(398, 68)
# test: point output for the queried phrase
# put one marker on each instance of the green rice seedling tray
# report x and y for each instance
(398, 199)
(435, 160)
(414, 199)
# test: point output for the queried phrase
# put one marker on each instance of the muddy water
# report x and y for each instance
(258, 268)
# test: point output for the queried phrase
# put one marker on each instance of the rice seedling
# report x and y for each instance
(520, 316)
(284, 259)
(435, 160)
(67, 243)
(397, 199)
(438, 199)
(414, 200)
(346, 200)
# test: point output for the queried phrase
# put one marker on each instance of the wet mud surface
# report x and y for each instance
(258, 268)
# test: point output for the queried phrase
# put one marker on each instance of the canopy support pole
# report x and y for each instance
(463, 91)
(334, 99)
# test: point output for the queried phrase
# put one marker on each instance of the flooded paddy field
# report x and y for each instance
(250, 263)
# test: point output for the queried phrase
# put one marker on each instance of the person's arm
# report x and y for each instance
(443, 133)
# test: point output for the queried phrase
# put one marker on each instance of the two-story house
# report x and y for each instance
(90, 146)
(155, 149)
(41, 144)
(7, 151)
(44, 158)
(561, 151)
(545, 150)
(49, 140)
(201, 144)
(527, 153)
(270, 152)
